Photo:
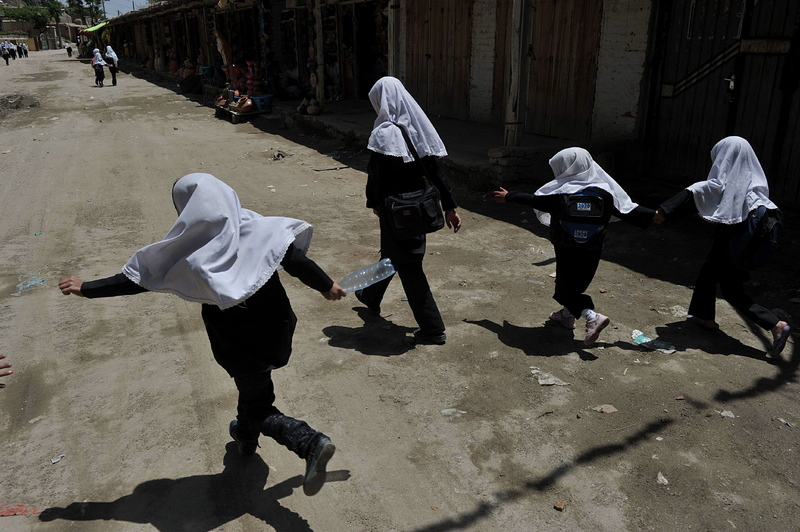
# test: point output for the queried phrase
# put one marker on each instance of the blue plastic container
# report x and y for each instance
(263, 103)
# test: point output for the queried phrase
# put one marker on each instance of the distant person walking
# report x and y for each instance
(97, 65)
(736, 186)
(69, 49)
(5, 52)
(113, 64)
(25, 49)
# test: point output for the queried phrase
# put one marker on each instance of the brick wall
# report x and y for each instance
(484, 15)
(620, 68)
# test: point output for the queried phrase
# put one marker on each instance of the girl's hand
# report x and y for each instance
(659, 217)
(335, 293)
(453, 220)
(70, 285)
(4, 370)
(500, 195)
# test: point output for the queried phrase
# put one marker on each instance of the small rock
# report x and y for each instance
(605, 409)
(661, 479)
(726, 413)
(561, 506)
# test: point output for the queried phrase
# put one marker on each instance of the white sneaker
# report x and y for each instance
(558, 317)
(593, 328)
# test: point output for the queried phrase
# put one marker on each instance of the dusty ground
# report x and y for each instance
(116, 416)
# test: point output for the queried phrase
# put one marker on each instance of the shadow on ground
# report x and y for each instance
(485, 509)
(202, 502)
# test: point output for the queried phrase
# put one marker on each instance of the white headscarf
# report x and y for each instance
(110, 54)
(735, 186)
(575, 170)
(216, 252)
(98, 59)
(395, 105)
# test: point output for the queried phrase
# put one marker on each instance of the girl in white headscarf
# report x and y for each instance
(397, 166)
(227, 258)
(578, 205)
(736, 185)
(113, 64)
(97, 65)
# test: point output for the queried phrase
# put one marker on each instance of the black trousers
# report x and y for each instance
(113, 71)
(418, 292)
(256, 415)
(406, 256)
(719, 270)
(256, 398)
(575, 269)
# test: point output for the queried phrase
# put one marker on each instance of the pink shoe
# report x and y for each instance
(594, 327)
(558, 317)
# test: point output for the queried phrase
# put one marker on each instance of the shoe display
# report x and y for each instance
(374, 309)
(429, 339)
(559, 318)
(594, 327)
(246, 448)
(316, 462)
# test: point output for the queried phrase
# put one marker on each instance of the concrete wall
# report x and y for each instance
(620, 68)
(484, 27)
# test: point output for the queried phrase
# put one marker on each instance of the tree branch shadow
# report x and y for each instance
(484, 509)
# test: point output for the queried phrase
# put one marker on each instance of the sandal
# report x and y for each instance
(780, 342)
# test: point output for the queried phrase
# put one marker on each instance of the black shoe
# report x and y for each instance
(316, 462)
(246, 447)
(374, 309)
(429, 339)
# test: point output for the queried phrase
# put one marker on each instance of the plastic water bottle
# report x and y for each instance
(367, 276)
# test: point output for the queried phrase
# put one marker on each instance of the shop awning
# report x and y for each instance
(94, 28)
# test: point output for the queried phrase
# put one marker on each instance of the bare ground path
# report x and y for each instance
(116, 416)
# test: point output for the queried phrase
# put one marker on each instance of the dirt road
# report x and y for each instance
(116, 415)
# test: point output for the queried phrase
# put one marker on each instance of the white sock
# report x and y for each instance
(588, 314)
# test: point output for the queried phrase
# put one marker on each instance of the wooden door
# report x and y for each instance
(438, 56)
(564, 39)
(727, 67)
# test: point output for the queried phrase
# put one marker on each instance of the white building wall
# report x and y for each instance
(620, 68)
(484, 26)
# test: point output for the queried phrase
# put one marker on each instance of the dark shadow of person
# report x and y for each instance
(687, 335)
(377, 336)
(545, 341)
(787, 373)
(200, 503)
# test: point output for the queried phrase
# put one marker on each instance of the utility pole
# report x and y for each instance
(105, 16)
